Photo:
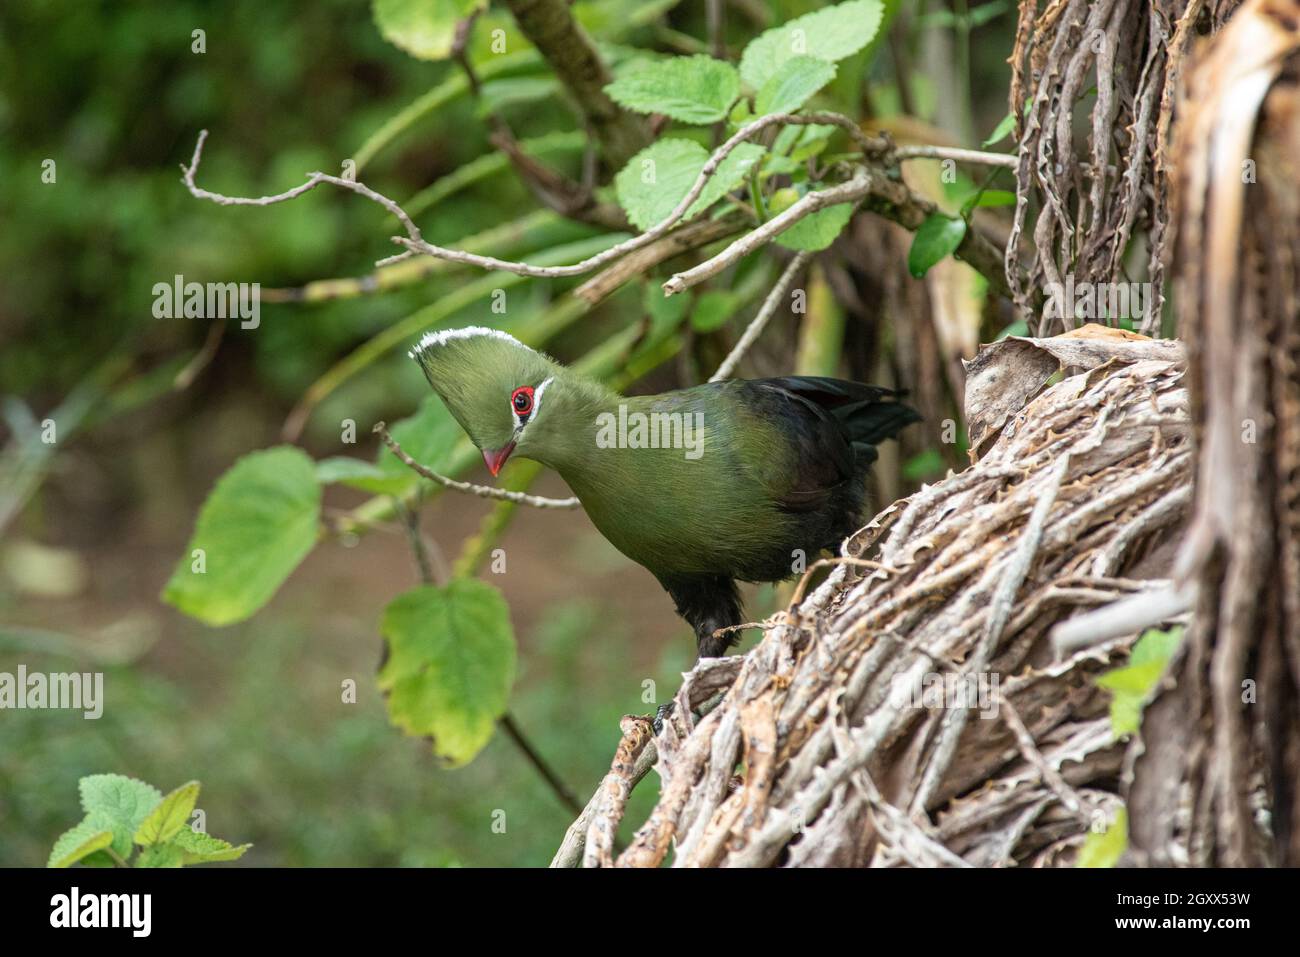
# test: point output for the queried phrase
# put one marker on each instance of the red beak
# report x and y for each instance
(494, 460)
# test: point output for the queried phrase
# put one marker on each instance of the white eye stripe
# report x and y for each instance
(537, 404)
(537, 395)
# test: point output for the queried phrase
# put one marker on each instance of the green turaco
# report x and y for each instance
(736, 480)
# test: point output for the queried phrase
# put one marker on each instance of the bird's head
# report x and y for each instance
(494, 385)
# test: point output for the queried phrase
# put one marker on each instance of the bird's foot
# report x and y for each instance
(661, 714)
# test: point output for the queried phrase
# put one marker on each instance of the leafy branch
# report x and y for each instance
(890, 198)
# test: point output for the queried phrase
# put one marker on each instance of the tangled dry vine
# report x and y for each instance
(1089, 201)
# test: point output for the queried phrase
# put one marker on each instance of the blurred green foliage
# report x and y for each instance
(311, 781)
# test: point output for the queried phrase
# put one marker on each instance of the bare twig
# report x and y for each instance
(558, 787)
(570, 851)
(904, 836)
(848, 192)
(714, 672)
(419, 548)
(765, 625)
(716, 16)
(415, 244)
(1006, 160)
(482, 491)
(1123, 617)
(551, 27)
(760, 321)
(185, 378)
(831, 562)
(1029, 750)
(638, 263)
(459, 45)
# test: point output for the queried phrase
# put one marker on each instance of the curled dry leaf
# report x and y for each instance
(1006, 374)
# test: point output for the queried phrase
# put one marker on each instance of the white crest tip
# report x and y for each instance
(441, 338)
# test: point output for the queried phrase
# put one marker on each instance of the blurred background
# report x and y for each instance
(151, 411)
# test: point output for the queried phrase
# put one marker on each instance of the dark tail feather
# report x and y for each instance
(870, 423)
(869, 414)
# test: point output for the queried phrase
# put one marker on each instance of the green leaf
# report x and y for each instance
(450, 665)
(1131, 685)
(693, 89)
(166, 820)
(939, 236)
(816, 232)
(423, 28)
(1004, 129)
(200, 848)
(986, 198)
(1017, 328)
(800, 143)
(258, 523)
(740, 114)
(1104, 848)
(991, 197)
(161, 855)
(1156, 646)
(654, 181)
(793, 84)
(358, 473)
(510, 91)
(712, 310)
(119, 804)
(829, 34)
(79, 842)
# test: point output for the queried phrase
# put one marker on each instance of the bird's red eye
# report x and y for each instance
(522, 400)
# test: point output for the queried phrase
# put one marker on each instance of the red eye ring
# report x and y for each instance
(521, 400)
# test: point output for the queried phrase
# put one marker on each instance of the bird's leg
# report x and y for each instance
(712, 642)
(707, 603)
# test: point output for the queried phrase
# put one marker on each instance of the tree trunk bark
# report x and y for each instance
(1219, 782)
(549, 26)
